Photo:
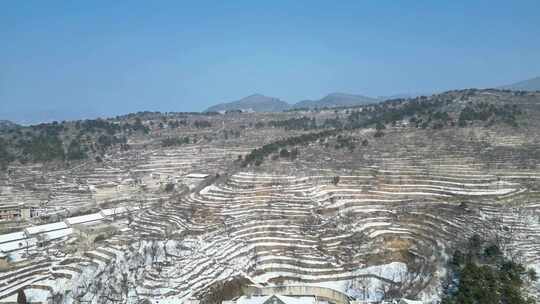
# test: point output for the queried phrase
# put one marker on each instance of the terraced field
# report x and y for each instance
(179, 223)
(395, 220)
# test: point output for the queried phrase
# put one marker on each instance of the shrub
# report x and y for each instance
(284, 153)
(169, 187)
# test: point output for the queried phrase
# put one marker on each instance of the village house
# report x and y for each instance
(274, 299)
(17, 212)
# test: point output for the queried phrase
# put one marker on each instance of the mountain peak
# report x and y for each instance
(254, 102)
(255, 95)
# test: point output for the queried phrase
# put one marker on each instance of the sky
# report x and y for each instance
(62, 60)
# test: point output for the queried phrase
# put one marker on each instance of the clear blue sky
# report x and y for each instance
(73, 59)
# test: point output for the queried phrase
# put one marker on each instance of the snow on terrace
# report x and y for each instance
(270, 247)
(197, 175)
(392, 231)
(368, 287)
(36, 295)
(271, 241)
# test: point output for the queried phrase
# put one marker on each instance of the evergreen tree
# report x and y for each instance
(21, 297)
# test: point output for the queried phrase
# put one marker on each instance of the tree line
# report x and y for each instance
(481, 274)
(64, 141)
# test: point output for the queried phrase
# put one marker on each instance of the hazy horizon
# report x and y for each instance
(67, 61)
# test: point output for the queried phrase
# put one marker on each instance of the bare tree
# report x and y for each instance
(56, 298)
(363, 285)
(124, 285)
(153, 250)
(42, 241)
(388, 290)
(80, 291)
(168, 234)
(505, 230)
(347, 217)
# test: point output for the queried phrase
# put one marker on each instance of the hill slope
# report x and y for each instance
(6, 124)
(336, 100)
(385, 201)
(532, 84)
(255, 102)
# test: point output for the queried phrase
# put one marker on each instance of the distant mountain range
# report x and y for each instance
(261, 103)
(336, 100)
(405, 95)
(526, 85)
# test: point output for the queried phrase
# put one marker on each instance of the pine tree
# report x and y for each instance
(21, 297)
